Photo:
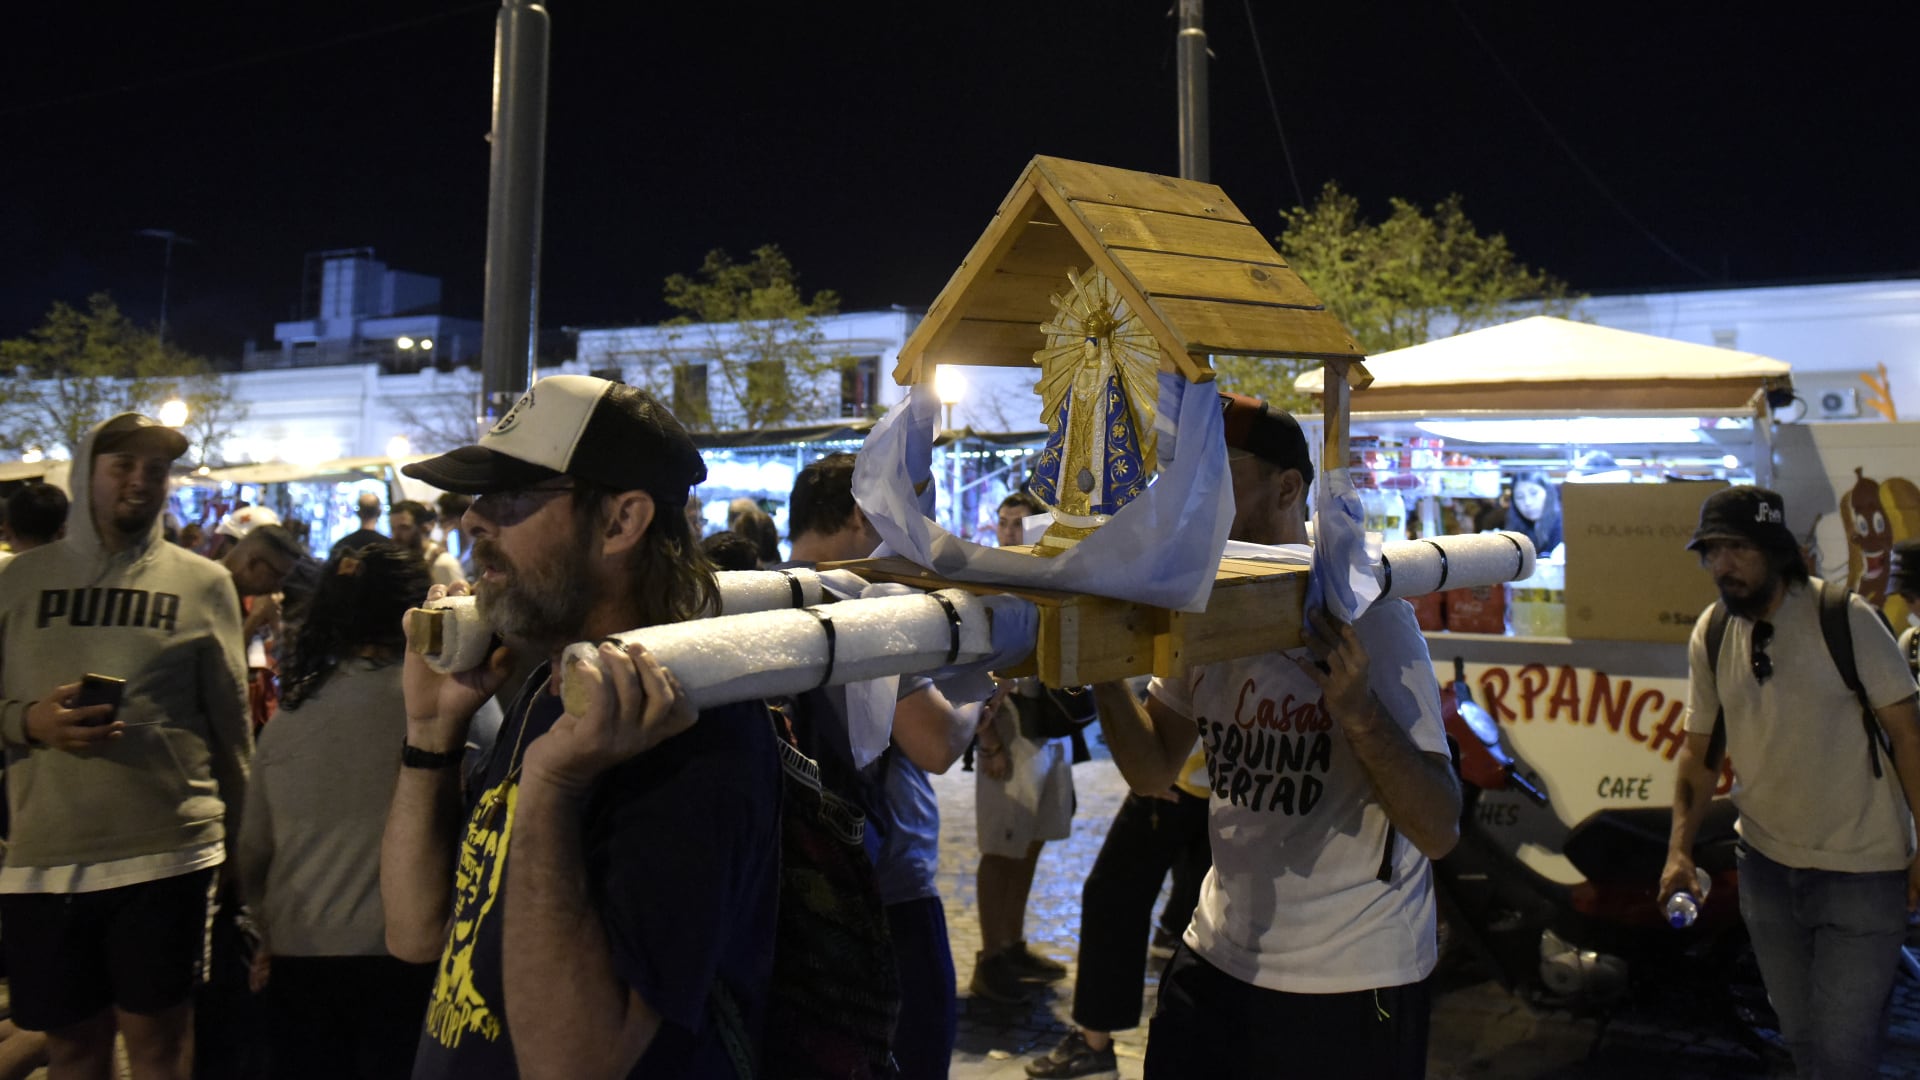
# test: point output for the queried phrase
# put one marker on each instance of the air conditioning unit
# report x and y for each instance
(1836, 404)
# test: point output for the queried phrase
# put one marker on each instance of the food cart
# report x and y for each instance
(321, 494)
(1637, 430)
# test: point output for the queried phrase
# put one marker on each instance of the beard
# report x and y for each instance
(135, 522)
(1750, 603)
(542, 603)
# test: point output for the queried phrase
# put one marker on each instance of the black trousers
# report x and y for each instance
(1148, 837)
(1212, 1024)
(345, 1016)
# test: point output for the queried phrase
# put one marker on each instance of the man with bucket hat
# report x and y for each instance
(1802, 684)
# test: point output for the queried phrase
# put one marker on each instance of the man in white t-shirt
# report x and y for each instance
(1827, 868)
(1331, 790)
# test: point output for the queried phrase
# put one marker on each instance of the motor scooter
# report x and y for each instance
(1602, 945)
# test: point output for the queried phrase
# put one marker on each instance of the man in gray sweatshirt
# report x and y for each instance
(121, 812)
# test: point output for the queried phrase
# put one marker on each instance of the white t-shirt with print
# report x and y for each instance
(1802, 780)
(1294, 901)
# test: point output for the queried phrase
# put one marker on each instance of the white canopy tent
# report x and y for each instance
(1546, 367)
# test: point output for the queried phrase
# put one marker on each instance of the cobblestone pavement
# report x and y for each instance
(1479, 1030)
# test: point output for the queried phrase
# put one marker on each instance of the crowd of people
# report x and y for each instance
(217, 855)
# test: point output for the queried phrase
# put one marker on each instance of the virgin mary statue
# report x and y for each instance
(1098, 386)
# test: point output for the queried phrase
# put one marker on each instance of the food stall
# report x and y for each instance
(320, 494)
(1634, 431)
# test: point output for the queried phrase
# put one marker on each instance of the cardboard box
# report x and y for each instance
(1630, 576)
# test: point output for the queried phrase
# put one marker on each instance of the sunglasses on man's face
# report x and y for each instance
(515, 505)
(1762, 663)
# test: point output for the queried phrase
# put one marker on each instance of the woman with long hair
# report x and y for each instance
(338, 1005)
(1536, 511)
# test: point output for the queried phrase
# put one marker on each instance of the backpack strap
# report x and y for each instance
(1716, 636)
(1838, 631)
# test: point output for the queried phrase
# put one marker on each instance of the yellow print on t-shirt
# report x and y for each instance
(458, 1008)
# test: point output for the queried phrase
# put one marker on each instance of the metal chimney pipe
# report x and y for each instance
(511, 316)
(1191, 71)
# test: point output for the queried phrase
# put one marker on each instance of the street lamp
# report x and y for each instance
(399, 446)
(174, 413)
(166, 269)
(951, 385)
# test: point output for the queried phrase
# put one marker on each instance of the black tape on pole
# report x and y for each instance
(826, 625)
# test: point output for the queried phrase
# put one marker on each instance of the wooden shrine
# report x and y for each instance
(1198, 279)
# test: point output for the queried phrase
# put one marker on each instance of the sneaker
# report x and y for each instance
(1163, 944)
(1073, 1057)
(995, 978)
(1032, 966)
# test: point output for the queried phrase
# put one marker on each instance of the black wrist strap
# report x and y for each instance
(413, 757)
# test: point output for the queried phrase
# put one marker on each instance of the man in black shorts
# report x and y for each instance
(121, 812)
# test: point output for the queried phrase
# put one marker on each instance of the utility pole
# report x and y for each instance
(166, 269)
(510, 317)
(1190, 51)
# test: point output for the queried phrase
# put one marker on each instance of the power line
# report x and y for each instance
(248, 61)
(1273, 104)
(1566, 148)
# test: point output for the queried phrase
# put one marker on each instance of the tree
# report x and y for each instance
(442, 420)
(1395, 282)
(747, 330)
(79, 367)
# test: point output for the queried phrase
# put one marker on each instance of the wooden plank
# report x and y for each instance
(1000, 236)
(987, 343)
(1257, 329)
(1045, 250)
(1336, 416)
(1163, 274)
(1005, 296)
(1147, 230)
(1095, 639)
(1174, 349)
(1257, 617)
(1103, 185)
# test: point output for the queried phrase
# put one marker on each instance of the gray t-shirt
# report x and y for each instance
(310, 840)
(1802, 781)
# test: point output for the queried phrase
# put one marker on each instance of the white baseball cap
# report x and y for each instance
(244, 520)
(605, 433)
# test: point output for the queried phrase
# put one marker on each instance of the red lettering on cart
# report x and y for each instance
(1669, 737)
(1577, 696)
(1602, 701)
(1646, 698)
(1566, 696)
(1494, 684)
(1533, 682)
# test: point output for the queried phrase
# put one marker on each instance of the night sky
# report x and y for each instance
(1621, 146)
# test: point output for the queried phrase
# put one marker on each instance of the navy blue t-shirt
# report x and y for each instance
(681, 848)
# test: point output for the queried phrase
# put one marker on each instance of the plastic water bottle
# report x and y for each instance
(1683, 907)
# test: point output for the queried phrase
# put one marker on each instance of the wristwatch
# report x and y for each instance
(413, 757)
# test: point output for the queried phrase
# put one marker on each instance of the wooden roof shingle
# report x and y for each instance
(1202, 278)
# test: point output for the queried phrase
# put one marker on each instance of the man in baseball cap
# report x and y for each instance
(614, 436)
(578, 534)
(1325, 934)
(124, 717)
